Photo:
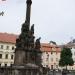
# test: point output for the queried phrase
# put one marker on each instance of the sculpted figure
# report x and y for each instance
(32, 29)
(37, 43)
(18, 43)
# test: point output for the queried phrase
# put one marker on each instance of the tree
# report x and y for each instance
(66, 57)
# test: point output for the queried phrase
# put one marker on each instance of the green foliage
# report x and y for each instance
(66, 57)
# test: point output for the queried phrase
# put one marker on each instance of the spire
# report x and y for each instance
(28, 11)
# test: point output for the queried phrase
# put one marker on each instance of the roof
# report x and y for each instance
(46, 47)
(11, 38)
(8, 38)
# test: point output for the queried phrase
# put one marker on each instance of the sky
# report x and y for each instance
(54, 20)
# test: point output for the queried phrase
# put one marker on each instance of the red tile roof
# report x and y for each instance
(8, 38)
(11, 38)
(46, 47)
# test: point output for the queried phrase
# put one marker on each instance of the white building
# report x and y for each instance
(50, 55)
(71, 45)
(73, 56)
(7, 49)
(73, 53)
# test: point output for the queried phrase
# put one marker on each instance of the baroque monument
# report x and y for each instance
(26, 47)
(27, 53)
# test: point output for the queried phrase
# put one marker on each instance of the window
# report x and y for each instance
(47, 59)
(47, 55)
(51, 52)
(51, 66)
(46, 65)
(1, 46)
(7, 47)
(0, 64)
(56, 66)
(74, 53)
(56, 52)
(13, 48)
(5, 65)
(0, 56)
(11, 56)
(6, 57)
(56, 59)
(46, 52)
(52, 59)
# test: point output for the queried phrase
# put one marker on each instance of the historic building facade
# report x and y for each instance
(71, 45)
(50, 52)
(50, 55)
(7, 49)
(73, 56)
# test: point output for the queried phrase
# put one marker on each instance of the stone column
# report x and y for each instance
(19, 57)
(29, 2)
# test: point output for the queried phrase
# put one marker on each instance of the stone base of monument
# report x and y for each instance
(28, 69)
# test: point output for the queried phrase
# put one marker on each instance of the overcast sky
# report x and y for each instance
(53, 19)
